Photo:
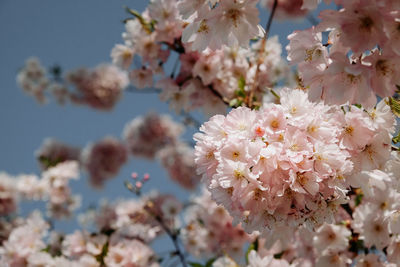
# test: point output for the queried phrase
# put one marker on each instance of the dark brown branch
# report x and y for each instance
(271, 17)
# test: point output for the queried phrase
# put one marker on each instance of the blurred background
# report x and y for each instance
(73, 34)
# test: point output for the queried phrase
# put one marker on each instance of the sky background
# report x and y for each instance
(75, 33)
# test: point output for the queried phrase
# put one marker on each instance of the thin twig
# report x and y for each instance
(271, 17)
(132, 89)
(174, 68)
(261, 52)
(216, 93)
(275, 94)
(173, 237)
(190, 119)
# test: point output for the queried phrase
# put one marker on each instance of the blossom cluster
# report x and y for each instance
(311, 179)
(33, 79)
(100, 88)
(52, 187)
(120, 232)
(152, 136)
(364, 233)
(103, 160)
(360, 58)
(206, 80)
(157, 136)
(291, 163)
(209, 231)
(27, 246)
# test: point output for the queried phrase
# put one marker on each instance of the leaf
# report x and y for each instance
(394, 105)
(148, 27)
(358, 199)
(396, 139)
(210, 262)
(253, 246)
(233, 103)
(195, 264)
(241, 83)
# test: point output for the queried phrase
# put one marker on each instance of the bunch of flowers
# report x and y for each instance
(178, 160)
(287, 164)
(52, 152)
(209, 231)
(145, 135)
(26, 246)
(100, 88)
(360, 58)
(311, 179)
(207, 79)
(103, 160)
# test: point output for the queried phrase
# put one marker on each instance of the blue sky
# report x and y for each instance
(73, 33)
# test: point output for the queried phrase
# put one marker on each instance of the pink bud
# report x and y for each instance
(138, 185)
(134, 175)
(146, 176)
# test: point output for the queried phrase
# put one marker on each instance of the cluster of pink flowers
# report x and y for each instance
(26, 246)
(377, 218)
(33, 79)
(8, 199)
(100, 88)
(24, 241)
(136, 218)
(286, 9)
(178, 160)
(52, 152)
(103, 160)
(299, 183)
(209, 231)
(227, 22)
(360, 58)
(288, 164)
(206, 80)
(52, 187)
(157, 136)
(146, 135)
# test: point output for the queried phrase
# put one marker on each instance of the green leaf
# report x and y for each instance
(253, 246)
(149, 27)
(102, 255)
(394, 105)
(195, 264)
(210, 262)
(48, 163)
(358, 199)
(241, 83)
(396, 139)
(233, 102)
(240, 93)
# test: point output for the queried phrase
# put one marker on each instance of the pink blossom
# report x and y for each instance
(53, 152)
(265, 168)
(178, 160)
(144, 136)
(103, 160)
(122, 55)
(141, 78)
(99, 88)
